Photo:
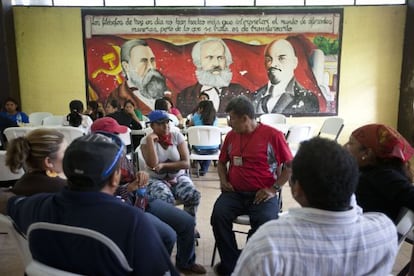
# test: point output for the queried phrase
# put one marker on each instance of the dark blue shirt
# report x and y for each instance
(123, 224)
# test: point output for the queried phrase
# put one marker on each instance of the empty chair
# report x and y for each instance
(91, 243)
(55, 120)
(272, 118)
(203, 136)
(297, 134)
(332, 127)
(7, 177)
(70, 133)
(7, 224)
(36, 118)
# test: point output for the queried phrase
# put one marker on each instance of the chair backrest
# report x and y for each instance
(36, 118)
(5, 173)
(332, 127)
(204, 136)
(7, 224)
(272, 118)
(70, 133)
(405, 224)
(126, 139)
(297, 134)
(68, 240)
(36, 268)
(14, 132)
(55, 120)
(140, 159)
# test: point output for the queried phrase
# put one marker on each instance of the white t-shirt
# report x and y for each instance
(170, 154)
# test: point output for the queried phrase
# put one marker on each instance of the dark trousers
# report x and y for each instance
(230, 205)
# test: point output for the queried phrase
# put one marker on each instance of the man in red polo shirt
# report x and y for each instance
(252, 169)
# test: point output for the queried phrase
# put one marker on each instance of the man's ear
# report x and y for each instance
(298, 194)
(115, 178)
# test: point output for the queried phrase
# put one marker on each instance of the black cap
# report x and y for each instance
(91, 159)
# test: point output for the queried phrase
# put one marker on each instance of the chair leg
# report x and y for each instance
(213, 258)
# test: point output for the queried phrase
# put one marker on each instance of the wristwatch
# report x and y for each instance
(276, 187)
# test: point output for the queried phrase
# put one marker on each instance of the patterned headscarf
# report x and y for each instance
(385, 141)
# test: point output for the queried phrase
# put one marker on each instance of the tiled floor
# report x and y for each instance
(208, 185)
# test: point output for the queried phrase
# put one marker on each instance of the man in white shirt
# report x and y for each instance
(144, 83)
(327, 236)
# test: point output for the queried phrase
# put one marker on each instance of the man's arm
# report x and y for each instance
(225, 185)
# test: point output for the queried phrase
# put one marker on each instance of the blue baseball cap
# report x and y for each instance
(158, 116)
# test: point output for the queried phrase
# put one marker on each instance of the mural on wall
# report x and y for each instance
(283, 61)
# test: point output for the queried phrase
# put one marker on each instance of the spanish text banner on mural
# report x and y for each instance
(252, 66)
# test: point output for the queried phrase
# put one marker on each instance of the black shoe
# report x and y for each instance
(218, 269)
(201, 173)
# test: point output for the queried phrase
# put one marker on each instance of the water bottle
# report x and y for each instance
(141, 198)
(19, 119)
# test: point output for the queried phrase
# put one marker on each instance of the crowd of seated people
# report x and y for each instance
(254, 163)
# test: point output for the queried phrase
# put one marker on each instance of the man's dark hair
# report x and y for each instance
(240, 106)
(161, 104)
(327, 173)
(114, 103)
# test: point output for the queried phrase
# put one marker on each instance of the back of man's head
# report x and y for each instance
(240, 106)
(91, 160)
(327, 174)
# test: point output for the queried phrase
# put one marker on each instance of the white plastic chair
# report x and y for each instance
(14, 132)
(272, 118)
(331, 127)
(70, 133)
(36, 268)
(7, 224)
(55, 120)
(36, 118)
(5, 173)
(203, 136)
(297, 134)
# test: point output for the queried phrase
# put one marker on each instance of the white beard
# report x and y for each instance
(208, 79)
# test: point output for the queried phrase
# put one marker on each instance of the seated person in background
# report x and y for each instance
(76, 118)
(202, 97)
(94, 111)
(205, 116)
(163, 104)
(251, 168)
(12, 113)
(385, 180)
(91, 164)
(327, 236)
(173, 110)
(136, 115)
(169, 221)
(123, 118)
(167, 158)
(40, 153)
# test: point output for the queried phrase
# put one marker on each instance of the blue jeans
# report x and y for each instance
(167, 234)
(183, 225)
(230, 205)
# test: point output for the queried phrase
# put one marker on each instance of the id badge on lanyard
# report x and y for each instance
(237, 161)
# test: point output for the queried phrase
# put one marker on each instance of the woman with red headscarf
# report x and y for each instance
(385, 181)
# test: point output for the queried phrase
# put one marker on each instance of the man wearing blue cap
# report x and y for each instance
(91, 164)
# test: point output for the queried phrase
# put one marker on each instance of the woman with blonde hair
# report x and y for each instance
(40, 153)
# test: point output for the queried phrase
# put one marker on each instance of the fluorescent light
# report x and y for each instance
(280, 2)
(129, 3)
(329, 2)
(98, 3)
(223, 3)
